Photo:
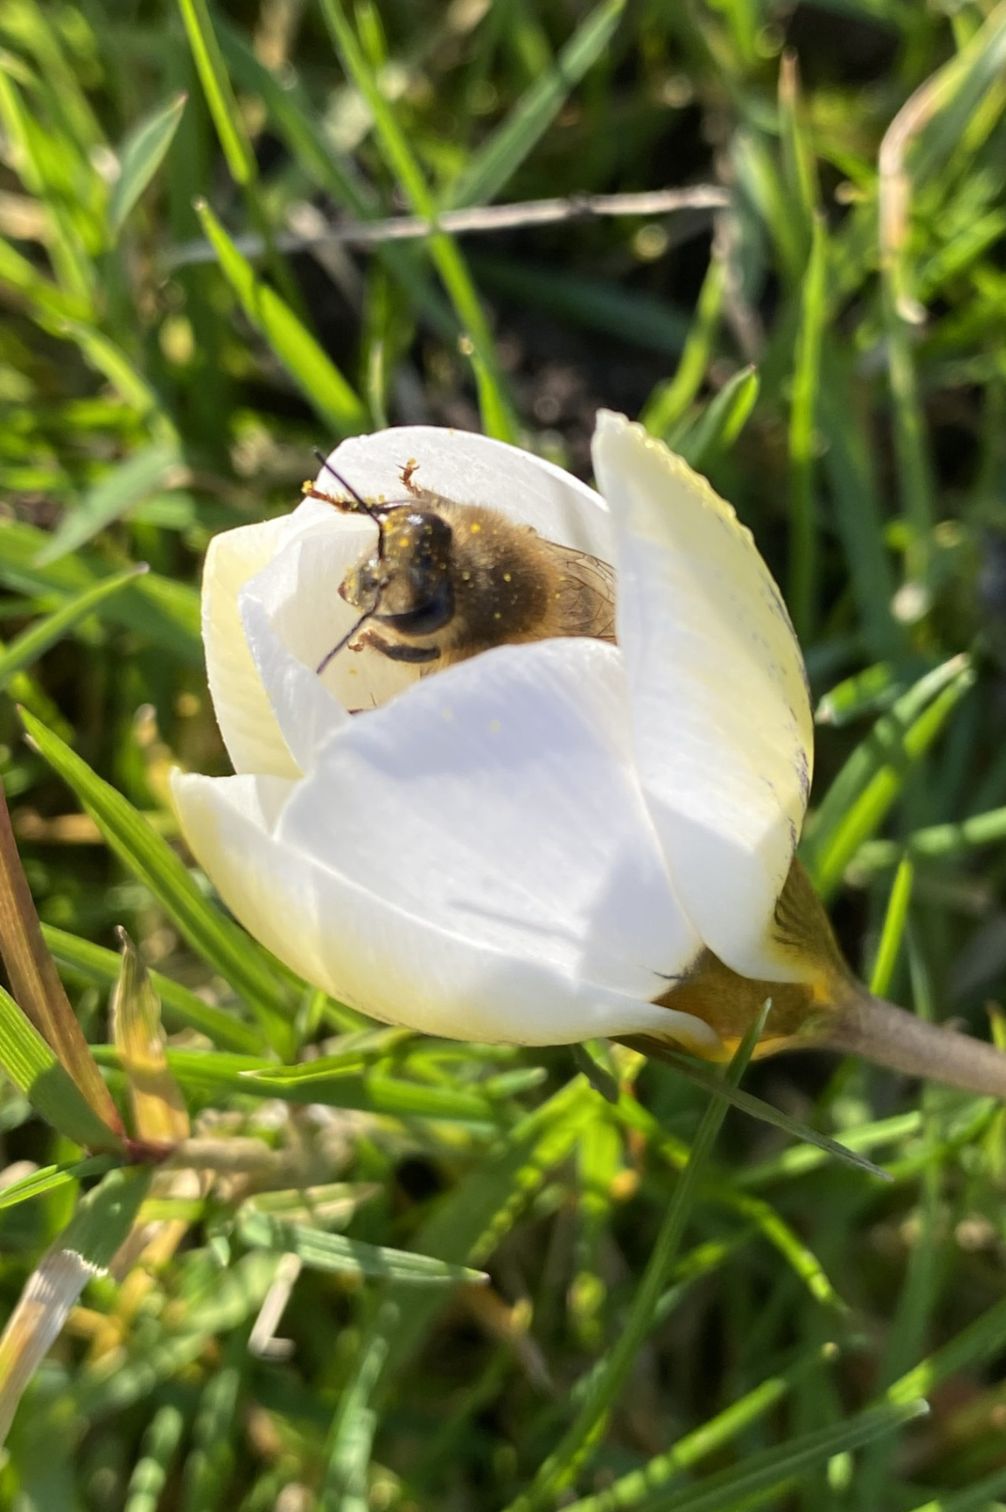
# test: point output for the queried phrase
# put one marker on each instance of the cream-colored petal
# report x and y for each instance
(373, 954)
(720, 711)
(242, 707)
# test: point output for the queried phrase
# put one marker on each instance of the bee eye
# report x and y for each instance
(433, 607)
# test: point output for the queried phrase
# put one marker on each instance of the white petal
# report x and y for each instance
(371, 953)
(293, 615)
(472, 469)
(720, 709)
(242, 707)
(498, 798)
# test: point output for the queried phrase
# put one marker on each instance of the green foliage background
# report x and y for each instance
(177, 336)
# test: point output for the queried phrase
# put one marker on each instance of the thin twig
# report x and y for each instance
(477, 219)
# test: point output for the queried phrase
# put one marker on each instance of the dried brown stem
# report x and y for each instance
(474, 219)
(35, 983)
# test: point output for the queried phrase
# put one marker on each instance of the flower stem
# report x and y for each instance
(890, 1036)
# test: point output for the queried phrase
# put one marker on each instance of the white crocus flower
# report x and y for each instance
(536, 844)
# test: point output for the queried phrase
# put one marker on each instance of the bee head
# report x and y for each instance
(406, 583)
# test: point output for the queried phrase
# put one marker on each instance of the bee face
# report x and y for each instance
(405, 584)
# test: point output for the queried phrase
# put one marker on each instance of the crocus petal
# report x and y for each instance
(242, 707)
(293, 615)
(472, 469)
(369, 952)
(499, 798)
(241, 703)
(720, 709)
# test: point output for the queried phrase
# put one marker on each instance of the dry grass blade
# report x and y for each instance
(86, 1248)
(159, 1113)
(35, 981)
(34, 1325)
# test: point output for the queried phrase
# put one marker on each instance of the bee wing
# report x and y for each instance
(586, 598)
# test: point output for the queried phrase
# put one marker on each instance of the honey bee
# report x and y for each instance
(448, 580)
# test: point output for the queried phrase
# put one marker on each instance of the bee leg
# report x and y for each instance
(419, 493)
(395, 650)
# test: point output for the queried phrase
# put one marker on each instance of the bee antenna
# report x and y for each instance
(356, 497)
(341, 645)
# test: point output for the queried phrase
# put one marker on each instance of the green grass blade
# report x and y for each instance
(295, 119)
(51, 304)
(982, 1496)
(335, 1253)
(126, 1377)
(981, 1340)
(667, 405)
(771, 1472)
(151, 859)
(799, 166)
(32, 643)
(725, 1190)
(935, 841)
(150, 1473)
(491, 167)
(33, 1068)
(560, 1468)
(140, 156)
(210, 1462)
(481, 1209)
(144, 473)
(636, 1488)
(50, 1178)
(110, 359)
(497, 419)
(596, 305)
(164, 611)
(869, 691)
(754, 1106)
(370, 1091)
(319, 380)
(348, 1447)
(804, 524)
(868, 784)
(860, 767)
(856, 508)
(721, 421)
(223, 107)
(71, 263)
(893, 932)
